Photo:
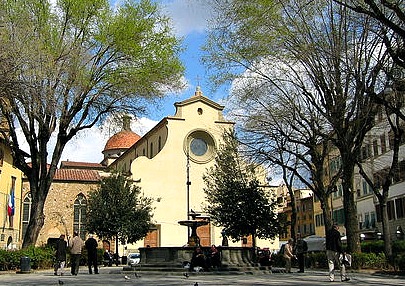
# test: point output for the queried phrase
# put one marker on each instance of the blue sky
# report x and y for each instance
(190, 23)
(190, 18)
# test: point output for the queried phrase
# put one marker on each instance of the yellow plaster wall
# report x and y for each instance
(7, 170)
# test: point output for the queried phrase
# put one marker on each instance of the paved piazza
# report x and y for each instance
(109, 276)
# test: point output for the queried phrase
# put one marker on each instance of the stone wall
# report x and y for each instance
(59, 208)
(175, 256)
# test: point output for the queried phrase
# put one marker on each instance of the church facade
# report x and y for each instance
(168, 164)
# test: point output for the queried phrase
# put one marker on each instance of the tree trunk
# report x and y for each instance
(349, 203)
(386, 229)
(327, 216)
(35, 224)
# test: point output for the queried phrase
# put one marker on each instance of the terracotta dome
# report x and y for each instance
(122, 140)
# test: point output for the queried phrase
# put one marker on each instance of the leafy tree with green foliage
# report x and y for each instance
(67, 65)
(237, 200)
(118, 210)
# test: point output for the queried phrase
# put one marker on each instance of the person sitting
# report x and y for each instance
(198, 260)
(107, 257)
(215, 257)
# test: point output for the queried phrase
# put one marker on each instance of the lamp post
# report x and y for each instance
(188, 183)
(399, 233)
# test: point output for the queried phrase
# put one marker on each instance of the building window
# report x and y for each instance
(399, 173)
(383, 144)
(26, 213)
(379, 177)
(367, 221)
(339, 216)
(151, 150)
(391, 139)
(380, 114)
(367, 189)
(375, 148)
(391, 210)
(79, 215)
(400, 207)
(360, 220)
(372, 220)
(160, 143)
(365, 151)
(334, 165)
(339, 192)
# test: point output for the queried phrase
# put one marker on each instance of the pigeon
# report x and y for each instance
(186, 274)
(137, 275)
(126, 277)
(60, 282)
(196, 284)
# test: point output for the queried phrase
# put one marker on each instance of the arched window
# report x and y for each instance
(79, 215)
(26, 213)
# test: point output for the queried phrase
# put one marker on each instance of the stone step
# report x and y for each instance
(165, 269)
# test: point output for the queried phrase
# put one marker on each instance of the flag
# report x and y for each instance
(11, 204)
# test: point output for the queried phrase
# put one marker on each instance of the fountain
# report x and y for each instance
(193, 223)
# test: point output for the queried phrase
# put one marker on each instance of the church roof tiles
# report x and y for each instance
(81, 175)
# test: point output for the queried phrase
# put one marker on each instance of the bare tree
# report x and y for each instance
(65, 66)
(391, 16)
(381, 180)
(296, 142)
(333, 53)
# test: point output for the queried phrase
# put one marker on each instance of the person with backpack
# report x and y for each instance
(300, 249)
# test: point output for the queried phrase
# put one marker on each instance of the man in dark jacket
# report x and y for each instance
(91, 246)
(300, 249)
(60, 254)
(333, 251)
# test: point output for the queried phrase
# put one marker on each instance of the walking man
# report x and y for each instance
(60, 255)
(91, 246)
(76, 246)
(333, 251)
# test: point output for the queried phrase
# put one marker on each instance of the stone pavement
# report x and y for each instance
(114, 276)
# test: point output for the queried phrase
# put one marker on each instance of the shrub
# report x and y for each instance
(372, 246)
(40, 258)
(398, 246)
(369, 260)
(9, 260)
(400, 261)
(316, 260)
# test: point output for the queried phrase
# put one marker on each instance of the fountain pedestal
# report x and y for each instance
(193, 239)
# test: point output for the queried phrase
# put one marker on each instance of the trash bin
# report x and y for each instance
(124, 260)
(25, 264)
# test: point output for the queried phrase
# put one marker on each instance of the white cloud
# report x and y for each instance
(188, 15)
(87, 145)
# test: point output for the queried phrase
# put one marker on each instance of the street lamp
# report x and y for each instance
(188, 183)
(399, 233)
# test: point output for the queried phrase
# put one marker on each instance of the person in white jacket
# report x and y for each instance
(76, 246)
(288, 254)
